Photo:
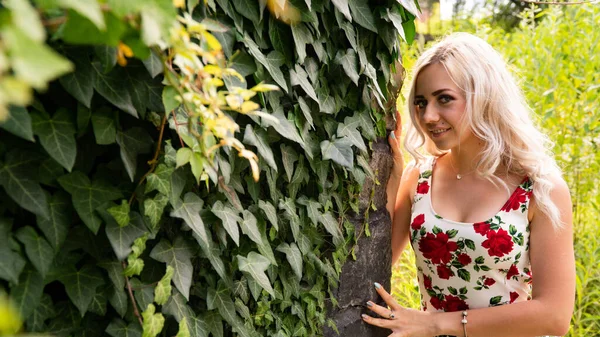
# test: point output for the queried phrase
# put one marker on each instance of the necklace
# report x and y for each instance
(458, 175)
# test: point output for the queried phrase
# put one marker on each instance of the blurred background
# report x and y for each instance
(554, 51)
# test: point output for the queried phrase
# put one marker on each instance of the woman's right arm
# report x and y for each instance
(402, 210)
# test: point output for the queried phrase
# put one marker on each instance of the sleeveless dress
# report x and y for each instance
(470, 265)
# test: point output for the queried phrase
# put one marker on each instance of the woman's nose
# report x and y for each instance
(430, 115)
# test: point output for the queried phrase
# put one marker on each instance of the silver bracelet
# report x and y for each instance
(464, 322)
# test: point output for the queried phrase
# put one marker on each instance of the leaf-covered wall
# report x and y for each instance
(145, 190)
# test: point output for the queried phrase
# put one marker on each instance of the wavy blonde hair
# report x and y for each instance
(496, 112)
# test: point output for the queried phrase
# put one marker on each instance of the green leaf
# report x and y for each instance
(189, 211)
(153, 64)
(176, 255)
(28, 293)
(300, 77)
(87, 8)
(162, 292)
(154, 208)
(342, 6)
(260, 57)
(495, 300)
(160, 179)
(302, 37)
(80, 83)
(119, 328)
(153, 323)
(80, 30)
(306, 111)
(362, 14)
(26, 19)
(349, 63)
(38, 250)
(107, 55)
(112, 87)
(254, 266)
(20, 185)
(120, 213)
(258, 138)
(88, 196)
(183, 329)
(286, 128)
(250, 228)
(340, 151)
(464, 274)
(119, 300)
(269, 211)
(104, 124)
(248, 8)
(294, 257)
(11, 264)
(230, 218)
(43, 311)
(98, 305)
(220, 299)
(33, 62)
(19, 123)
(157, 19)
(288, 157)
(331, 225)
(57, 136)
(279, 34)
(133, 142)
(122, 237)
(81, 286)
(348, 129)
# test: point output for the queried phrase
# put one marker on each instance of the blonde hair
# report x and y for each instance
(496, 112)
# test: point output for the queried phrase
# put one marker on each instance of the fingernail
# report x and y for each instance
(369, 304)
(393, 135)
(363, 316)
(377, 285)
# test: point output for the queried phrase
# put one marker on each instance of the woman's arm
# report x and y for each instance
(548, 313)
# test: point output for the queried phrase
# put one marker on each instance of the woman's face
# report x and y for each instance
(440, 107)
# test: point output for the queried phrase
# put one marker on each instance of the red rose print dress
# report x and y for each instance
(471, 265)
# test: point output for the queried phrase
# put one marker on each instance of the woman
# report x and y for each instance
(487, 213)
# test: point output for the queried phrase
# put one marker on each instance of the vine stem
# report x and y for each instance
(136, 312)
(154, 159)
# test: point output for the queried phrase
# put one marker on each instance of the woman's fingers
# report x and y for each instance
(398, 130)
(382, 323)
(381, 311)
(389, 299)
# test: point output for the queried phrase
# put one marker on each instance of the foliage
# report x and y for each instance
(555, 59)
(127, 181)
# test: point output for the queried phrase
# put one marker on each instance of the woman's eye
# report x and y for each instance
(421, 104)
(445, 99)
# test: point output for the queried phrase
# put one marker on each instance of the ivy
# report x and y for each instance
(185, 168)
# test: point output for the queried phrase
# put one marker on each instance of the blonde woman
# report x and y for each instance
(487, 212)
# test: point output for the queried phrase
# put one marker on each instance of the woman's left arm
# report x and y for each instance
(547, 313)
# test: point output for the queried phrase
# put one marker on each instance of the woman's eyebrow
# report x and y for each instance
(437, 92)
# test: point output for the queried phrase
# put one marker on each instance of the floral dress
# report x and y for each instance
(471, 265)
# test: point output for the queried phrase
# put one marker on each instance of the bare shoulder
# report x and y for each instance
(410, 178)
(559, 194)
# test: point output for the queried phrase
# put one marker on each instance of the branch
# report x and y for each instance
(136, 312)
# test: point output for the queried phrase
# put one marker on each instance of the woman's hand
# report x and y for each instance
(402, 321)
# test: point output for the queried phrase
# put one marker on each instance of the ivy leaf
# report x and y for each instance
(306, 111)
(183, 329)
(331, 225)
(80, 83)
(133, 142)
(38, 250)
(119, 328)
(362, 14)
(57, 136)
(176, 255)
(120, 213)
(294, 257)
(160, 179)
(339, 150)
(220, 299)
(300, 77)
(112, 87)
(107, 55)
(154, 208)
(119, 300)
(288, 157)
(189, 211)
(43, 311)
(280, 36)
(347, 60)
(11, 263)
(153, 64)
(286, 128)
(28, 293)
(121, 238)
(20, 185)
(250, 228)
(258, 138)
(81, 285)
(33, 62)
(153, 323)
(19, 123)
(260, 57)
(162, 291)
(254, 266)
(88, 196)
(103, 123)
(342, 6)
(313, 211)
(98, 305)
(26, 19)
(269, 211)
(302, 37)
(348, 129)
(229, 217)
(248, 8)
(214, 322)
(90, 9)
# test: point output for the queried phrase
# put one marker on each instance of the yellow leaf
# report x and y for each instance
(233, 72)
(249, 106)
(215, 82)
(261, 87)
(234, 101)
(179, 3)
(213, 70)
(212, 41)
(10, 322)
(18, 92)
